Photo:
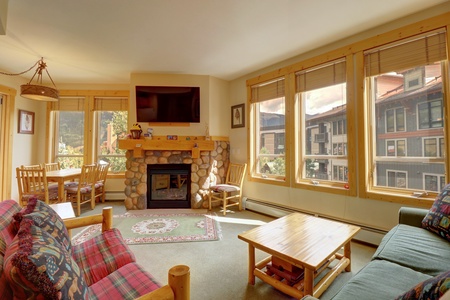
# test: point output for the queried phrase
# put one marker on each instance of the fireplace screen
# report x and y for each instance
(169, 186)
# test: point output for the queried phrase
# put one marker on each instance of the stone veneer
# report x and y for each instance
(208, 169)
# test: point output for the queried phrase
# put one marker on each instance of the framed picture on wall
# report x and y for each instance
(238, 116)
(26, 122)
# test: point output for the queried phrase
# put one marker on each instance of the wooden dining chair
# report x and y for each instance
(33, 182)
(230, 193)
(102, 172)
(83, 191)
(52, 166)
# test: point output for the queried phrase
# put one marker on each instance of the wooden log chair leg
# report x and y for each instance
(209, 199)
(224, 203)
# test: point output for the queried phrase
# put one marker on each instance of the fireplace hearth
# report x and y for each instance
(169, 186)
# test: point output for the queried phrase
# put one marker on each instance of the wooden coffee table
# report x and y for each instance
(302, 242)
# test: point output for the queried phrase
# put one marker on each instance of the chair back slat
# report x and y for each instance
(235, 174)
(102, 171)
(52, 166)
(88, 175)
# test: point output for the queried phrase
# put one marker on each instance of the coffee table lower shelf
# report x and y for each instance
(304, 286)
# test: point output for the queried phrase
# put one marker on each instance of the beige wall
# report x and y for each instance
(377, 214)
(212, 90)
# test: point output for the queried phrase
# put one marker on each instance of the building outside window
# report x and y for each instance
(406, 113)
(268, 129)
(321, 95)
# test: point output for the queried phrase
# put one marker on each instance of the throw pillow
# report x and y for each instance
(430, 289)
(38, 267)
(437, 219)
(46, 218)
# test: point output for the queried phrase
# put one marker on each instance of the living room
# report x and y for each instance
(376, 213)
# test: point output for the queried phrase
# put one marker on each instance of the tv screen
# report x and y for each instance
(168, 104)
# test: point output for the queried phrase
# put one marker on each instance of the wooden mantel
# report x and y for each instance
(194, 144)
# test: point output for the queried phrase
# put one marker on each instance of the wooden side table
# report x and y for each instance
(65, 211)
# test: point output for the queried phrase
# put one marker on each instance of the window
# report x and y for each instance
(69, 132)
(340, 173)
(395, 120)
(111, 115)
(430, 114)
(268, 125)
(433, 182)
(412, 117)
(86, 129)
(396, 147)
(396, 179)
(322, 122)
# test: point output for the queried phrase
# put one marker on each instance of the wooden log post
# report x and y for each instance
(180, 282)
(107, 214)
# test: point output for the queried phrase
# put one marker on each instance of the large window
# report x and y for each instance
(405, 92)
(111, 119)
(321, 97)
(69, 132)
(86, 129)
(268, 129)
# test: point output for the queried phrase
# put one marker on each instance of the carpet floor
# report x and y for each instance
(219, 269)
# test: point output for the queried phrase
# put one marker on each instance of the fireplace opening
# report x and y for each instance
(169, 186)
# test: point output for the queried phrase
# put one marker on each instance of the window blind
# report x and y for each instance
(110, 104)
(320, 77)
(409, 53)
(68, 104)
(267, 91)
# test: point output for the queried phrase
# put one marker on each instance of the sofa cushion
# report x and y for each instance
(380, 280)
(37, 266)
(415, 248)
(102, 255)
(430, 289)
(437, 219)
(128, 282)
(46, 218)
(7, 232)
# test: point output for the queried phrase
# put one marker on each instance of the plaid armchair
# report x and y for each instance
(38, 260)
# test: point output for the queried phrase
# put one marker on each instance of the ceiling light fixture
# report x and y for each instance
(38, 91)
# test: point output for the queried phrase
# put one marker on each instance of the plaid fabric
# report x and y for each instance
(102, 255)
(7, 232)
(128, 282)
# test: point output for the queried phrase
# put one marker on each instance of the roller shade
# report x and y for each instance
(320, 77)
(267, 91)
(68, 104)
(111, 104)
(410, 53)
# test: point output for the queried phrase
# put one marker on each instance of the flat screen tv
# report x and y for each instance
(171, 104)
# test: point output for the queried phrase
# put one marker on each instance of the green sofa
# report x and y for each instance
(406, 256)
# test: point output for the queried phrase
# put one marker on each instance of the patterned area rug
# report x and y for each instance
(147, 228)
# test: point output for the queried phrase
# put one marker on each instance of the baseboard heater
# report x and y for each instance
(367, 234)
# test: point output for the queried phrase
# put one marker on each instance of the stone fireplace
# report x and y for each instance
(206, 168)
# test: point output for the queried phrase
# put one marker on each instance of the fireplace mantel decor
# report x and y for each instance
(194, 144)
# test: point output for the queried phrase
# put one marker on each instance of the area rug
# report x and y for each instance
(147, 228)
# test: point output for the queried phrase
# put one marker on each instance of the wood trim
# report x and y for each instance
(6, 140)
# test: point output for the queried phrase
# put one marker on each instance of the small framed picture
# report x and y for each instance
(238, 116)
(26, 122)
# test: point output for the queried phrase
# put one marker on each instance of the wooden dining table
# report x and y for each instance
(61, 176)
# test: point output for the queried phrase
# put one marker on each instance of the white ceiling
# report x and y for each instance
(104, 41)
